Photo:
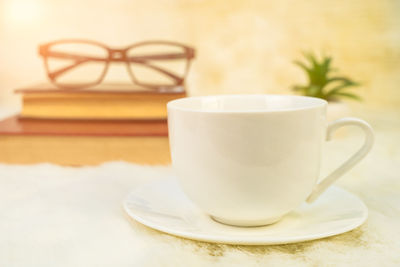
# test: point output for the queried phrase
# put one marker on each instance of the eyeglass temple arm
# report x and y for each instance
(188, 55)
(78, 61)
(139, 59)
(142, 60)
(168, 73)
(54, 74)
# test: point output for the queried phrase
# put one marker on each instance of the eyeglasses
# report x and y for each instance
(78, 64)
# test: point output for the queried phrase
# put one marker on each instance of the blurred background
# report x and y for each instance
(242, 46)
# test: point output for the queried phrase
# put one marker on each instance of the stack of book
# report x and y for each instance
(88, 126)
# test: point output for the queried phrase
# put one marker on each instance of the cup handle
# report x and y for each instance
(353, 160)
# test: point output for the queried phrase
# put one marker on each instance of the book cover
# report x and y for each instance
(106, 101)
(83, 142)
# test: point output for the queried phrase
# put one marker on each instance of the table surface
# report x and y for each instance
(65, 216)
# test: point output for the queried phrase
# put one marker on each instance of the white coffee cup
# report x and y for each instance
(248, 160)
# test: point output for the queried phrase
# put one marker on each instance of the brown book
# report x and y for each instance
(83, 142)
(105, 101)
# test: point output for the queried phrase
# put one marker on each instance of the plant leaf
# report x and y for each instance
(348, 95)
(314, 90)
(318, 74)
(326, 65)
(303, 66)
(310, 56)
(345, 80)
(339, 88)
(299, 88)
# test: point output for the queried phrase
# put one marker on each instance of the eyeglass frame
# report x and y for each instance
(118, 55)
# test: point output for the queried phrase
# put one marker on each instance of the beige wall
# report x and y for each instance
(243, 46)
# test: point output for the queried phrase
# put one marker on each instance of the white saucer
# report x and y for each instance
(163, 206)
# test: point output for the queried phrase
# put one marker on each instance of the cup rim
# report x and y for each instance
(314, 103)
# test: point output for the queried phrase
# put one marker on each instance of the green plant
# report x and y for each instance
(321, 83)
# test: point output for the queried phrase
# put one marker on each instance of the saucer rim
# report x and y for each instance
(233, 240)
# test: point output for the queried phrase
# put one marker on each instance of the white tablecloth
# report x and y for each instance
(65, 216)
